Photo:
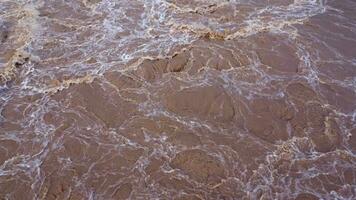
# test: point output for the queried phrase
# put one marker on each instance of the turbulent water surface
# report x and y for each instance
(178, 99)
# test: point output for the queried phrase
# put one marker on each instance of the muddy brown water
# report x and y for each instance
(178, 99)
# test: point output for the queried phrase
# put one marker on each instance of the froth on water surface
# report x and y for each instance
(171, 99)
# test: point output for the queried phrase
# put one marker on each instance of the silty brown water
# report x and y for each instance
(168, 99)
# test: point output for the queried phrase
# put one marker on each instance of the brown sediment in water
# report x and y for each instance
(13, 67)
(177, 100)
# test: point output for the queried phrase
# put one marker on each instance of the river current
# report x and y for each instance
(178, 99)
